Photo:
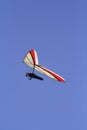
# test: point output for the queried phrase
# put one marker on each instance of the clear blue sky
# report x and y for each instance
(57, 29)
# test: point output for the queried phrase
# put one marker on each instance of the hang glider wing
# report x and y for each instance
(31, 59)
(49, 73)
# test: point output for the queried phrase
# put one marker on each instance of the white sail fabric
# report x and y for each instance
(31, 58)
(49, 73)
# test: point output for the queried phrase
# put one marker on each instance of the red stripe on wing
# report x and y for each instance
(32, 52)
(59, 78)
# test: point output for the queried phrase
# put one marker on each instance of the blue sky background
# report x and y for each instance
(57, 29)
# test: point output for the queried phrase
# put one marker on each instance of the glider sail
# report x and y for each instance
(31, 59)
(49, 73)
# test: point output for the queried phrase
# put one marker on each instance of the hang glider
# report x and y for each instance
(31, 59)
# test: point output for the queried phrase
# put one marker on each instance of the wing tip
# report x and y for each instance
(64, 81)
(61, 80)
